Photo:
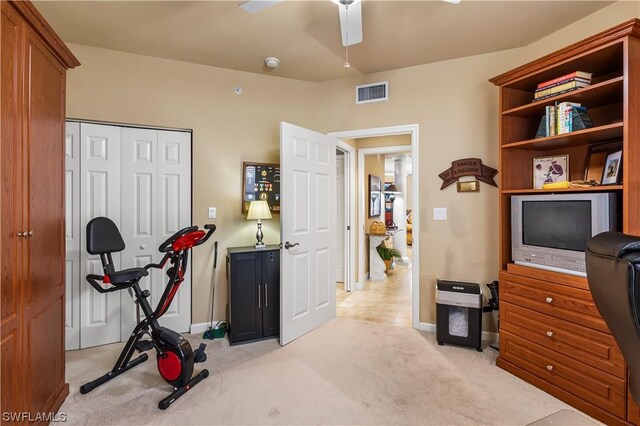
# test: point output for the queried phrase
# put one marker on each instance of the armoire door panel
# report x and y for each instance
(45, 352)
(10, 357)
(73, 235)
(100, 195)
(10, 176)
(45, 151)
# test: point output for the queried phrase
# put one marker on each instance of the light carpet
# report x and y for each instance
(345, 372)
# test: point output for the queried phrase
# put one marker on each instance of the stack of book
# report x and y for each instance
(568, 82)
(564, 117)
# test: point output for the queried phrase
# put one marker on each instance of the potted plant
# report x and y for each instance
(388, 255)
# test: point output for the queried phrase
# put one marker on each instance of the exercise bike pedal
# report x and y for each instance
(199, 355)
(144, 345)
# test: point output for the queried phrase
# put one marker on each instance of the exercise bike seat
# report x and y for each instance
(126, 276)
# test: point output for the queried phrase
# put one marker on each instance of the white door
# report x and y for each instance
(340, 225)
(308, 219)
(100, 196)
(174, 198)
(73, 232)
(139, 216)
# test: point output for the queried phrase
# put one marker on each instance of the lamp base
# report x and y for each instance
(260, 246)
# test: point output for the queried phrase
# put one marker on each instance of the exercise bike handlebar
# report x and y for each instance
(92, 279)
(194, 237)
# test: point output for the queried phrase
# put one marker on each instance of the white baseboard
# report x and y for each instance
(200, 327)
(487, 336)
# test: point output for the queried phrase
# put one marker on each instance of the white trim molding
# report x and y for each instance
(350, 220)
(201, 327)
(487, 336)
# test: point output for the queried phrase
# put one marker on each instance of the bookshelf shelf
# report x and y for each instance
(579, 137)
(552, 191)
(606, 92)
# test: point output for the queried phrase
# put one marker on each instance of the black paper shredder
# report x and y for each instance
(459, 313)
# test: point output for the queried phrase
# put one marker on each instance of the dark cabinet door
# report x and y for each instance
(245, 311)
(271, 287)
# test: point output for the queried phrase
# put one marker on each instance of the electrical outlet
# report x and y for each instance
(439, 213)
(212, 212)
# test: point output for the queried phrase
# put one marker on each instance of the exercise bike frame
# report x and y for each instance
(177, 254)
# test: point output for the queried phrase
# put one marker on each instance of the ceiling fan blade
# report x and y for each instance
(453, 1)
(255, 6)
(352, 18)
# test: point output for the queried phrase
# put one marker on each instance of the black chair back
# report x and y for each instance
(613, 272)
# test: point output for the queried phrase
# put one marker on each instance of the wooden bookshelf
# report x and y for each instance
(560, 303)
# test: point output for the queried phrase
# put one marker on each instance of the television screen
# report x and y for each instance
(557, 224)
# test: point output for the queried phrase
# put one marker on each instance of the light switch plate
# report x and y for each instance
(439, 213)
(212, 212)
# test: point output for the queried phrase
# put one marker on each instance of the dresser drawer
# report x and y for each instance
(583, 344)
(556, 300)
(592, 385)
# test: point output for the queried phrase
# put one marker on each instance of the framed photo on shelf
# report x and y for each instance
(550, 170)
(597, 157)
(612, 165)
(375, 196)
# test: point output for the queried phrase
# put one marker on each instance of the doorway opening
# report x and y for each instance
(382, 293)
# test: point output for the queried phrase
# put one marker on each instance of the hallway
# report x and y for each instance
(387, 301)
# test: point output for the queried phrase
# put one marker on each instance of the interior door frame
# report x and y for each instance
(349, 213)
(413, 130)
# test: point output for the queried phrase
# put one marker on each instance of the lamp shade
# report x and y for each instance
(392, 189)
(259, 210)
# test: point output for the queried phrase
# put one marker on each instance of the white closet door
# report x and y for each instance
(140, 216)
(174, 184)
(72, 231)
(100, 196)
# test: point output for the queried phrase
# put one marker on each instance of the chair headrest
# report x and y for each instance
(613, 244)
(103, 236)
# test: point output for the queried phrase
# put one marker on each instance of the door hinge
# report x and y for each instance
(348, 228)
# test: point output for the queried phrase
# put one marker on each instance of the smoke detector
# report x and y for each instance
(271, 62)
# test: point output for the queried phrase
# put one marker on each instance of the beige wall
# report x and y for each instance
(227, 130)
(452, 101)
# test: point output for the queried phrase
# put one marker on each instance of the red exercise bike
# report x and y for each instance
(174, 355)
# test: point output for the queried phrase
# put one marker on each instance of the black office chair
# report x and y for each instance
(613, 271)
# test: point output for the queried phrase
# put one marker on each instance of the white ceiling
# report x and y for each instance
(305, 35)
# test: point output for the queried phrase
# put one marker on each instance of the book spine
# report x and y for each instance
(557, 89)
(552, 121)
(547, 117)
(581, 74)
(569, 80)
(541, 98)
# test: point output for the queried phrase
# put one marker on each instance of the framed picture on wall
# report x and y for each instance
(261, 181)
(375, 196)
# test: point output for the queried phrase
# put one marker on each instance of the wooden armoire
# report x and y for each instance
(32, 199)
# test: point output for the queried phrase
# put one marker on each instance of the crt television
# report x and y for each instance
(550, 231)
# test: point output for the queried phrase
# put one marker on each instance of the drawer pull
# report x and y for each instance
(549, 333)
(549, 299)
(549, 367)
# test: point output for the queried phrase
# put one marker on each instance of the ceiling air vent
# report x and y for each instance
(373, 92)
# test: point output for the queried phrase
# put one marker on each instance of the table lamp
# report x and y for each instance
(259, 210)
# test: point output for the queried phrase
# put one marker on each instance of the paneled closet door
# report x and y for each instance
(140, 216)
(174, 178)
(100, 196)
(73, 281)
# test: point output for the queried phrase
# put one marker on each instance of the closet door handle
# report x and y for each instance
(266, 296)
(30, 233)
(259, 301)
(21, 234)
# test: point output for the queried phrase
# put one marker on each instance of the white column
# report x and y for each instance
(399, 207)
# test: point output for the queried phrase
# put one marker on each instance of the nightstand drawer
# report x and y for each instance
(592, 385)
(556, 300)
(586, 345)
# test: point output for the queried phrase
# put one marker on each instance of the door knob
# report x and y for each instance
(549, 333)
(143, 246)
(30, 233)
(21, 234)
(288, 245)
(549, 299)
